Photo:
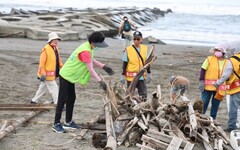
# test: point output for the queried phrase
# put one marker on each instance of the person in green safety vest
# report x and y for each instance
(78, 69)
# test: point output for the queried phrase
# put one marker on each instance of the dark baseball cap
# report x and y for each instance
(137, 34)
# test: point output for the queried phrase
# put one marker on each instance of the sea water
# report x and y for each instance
(194, 22)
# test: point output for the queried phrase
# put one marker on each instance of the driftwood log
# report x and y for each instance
(19, 122)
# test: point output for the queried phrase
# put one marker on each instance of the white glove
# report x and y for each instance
(122, 79)
(149, 78)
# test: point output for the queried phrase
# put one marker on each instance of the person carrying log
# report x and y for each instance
(178, 84)
(211, 70)
(134, 58)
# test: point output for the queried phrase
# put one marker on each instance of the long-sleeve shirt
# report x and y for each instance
(226, 74)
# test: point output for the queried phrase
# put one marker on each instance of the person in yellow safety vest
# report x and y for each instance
(211, 71)
(231, 75)
(49, 65)
(134, 58)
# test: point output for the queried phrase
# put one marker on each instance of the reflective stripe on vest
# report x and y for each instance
(212, 82)
(50, 73)
(131, 74)
(233, 85)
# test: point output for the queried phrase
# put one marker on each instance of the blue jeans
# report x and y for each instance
(206, 97)
(232, 114)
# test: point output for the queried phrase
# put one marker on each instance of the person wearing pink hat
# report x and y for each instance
(50, 63)
(211, 70)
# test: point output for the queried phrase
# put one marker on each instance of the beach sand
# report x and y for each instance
(18, 84)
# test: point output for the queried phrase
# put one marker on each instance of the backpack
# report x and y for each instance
(126, 26)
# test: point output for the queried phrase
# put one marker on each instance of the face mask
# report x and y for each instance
(218, 54)
(95, 48)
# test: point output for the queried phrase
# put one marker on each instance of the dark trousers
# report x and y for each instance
(66, 96)
(142, 88)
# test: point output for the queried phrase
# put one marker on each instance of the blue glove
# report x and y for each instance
(216, 85)
(122, 79)
(42, 78)
(149, 78)
(201, 85)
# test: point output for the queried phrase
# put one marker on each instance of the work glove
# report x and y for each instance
(42, 78)
(103, 85)
(108, 70)
(149, 78)
(201, 85)
(216, 85)
(122, 79)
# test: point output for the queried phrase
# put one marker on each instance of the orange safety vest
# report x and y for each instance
(134, 61)
(47, 63)
(233, 83)
(213, 73)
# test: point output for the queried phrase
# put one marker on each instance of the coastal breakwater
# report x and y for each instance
(72, 24)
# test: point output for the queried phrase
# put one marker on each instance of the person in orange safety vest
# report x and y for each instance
(49, 65)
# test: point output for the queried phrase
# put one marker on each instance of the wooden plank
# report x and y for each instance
(144, 147)
(152, 141)
(188, 146)
(175, 143)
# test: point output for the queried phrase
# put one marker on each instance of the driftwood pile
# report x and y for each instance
(154, 125)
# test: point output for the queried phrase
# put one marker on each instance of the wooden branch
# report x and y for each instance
(5, 124)
(133, 84)
(111, 96)
(19, 122)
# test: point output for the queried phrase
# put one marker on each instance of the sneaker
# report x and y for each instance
(48, 102)
(33, 102)
(70, 125)
(228, 130)
(58, 128)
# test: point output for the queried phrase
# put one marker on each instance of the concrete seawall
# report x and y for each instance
(72, 24)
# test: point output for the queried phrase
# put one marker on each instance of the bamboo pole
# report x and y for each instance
(12, 127)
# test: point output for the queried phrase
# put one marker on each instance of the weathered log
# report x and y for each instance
(5, 124)
(130, 125)
(178, 132)
(30, 108)
(111, 137)
(19, 122)
(99, 140)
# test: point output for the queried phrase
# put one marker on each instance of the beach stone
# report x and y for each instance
(150, 40)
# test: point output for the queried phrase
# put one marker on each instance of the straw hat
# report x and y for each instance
(52, 36)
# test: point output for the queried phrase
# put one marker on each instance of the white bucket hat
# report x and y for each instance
(52, 36)
(221, 47)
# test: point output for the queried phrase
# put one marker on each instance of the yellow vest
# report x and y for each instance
(213, 73)
(233, 81)
(47, 63)
(134, 61)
